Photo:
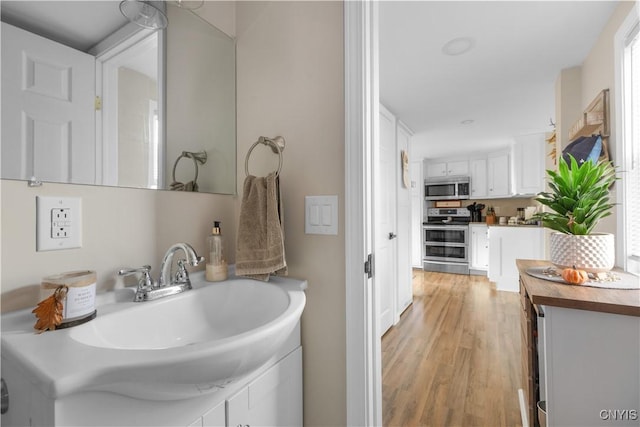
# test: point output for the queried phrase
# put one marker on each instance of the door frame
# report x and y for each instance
(363, 352)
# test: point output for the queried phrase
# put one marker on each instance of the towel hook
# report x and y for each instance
(277, 145)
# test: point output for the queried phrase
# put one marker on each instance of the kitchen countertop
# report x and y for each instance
(506, 225)
(545, 292)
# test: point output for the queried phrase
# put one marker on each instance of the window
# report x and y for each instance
(629, 146)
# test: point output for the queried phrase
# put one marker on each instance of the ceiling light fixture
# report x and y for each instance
(144, 14)
(458, 46)
(466, 122)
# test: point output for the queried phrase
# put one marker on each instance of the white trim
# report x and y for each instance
(619, 44)
(107, 64)
(363, 366)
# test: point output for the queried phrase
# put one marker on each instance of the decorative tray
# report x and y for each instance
(608, 279)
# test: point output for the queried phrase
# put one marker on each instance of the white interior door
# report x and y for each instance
(47, 109)
(386, 224)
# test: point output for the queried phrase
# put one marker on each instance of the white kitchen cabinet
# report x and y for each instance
(460, 167)
(273, 399)
(479, 247)
(506, 244)
(478, 175)
(498, 175)
(452, 168)
(528, 164)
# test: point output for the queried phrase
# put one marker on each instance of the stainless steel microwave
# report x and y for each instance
(447, 188)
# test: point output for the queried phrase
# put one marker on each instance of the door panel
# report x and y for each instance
(386, 227)
(47, 109)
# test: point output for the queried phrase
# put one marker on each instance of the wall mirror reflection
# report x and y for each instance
(90, 98)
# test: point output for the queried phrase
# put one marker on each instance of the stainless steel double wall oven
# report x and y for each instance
(446, 240)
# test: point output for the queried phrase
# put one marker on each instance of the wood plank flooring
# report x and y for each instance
(454, 357)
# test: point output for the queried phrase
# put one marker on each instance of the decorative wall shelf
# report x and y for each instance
(595, 121)
(595, 118)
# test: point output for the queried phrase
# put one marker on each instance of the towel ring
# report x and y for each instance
(277, 144)
(200, 157)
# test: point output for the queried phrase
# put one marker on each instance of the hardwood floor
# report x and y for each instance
(454, 357)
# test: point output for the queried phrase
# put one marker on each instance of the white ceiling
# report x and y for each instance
(78, 24)
(505, 84)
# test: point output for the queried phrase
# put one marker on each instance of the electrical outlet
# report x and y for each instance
(61, 223)
(58, 223)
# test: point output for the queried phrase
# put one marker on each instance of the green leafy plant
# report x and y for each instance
(579, 196)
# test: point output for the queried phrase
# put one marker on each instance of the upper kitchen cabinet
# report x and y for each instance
(528, 164)
(478, 176)
(498, 175)
(452, 168)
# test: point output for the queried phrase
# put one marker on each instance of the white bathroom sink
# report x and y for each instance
(210, 315)
(171, 348)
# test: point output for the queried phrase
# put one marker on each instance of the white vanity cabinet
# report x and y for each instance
(273, 399)
(215, 417)
(71, 386)
(479, 247)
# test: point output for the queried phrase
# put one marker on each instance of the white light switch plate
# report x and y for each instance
(321, 215)
(58, 223)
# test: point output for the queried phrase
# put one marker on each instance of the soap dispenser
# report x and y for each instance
(216, 265)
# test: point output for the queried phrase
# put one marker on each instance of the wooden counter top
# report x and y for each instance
(545, 292)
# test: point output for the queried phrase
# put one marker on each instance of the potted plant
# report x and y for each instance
(578, 200)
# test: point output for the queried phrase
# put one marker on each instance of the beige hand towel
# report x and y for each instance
(260, 244)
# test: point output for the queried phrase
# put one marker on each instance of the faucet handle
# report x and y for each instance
(145, 280)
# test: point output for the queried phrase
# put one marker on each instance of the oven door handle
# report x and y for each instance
(445, 227)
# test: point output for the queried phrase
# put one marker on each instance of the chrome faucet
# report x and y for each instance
(148, 290)
(181, 275)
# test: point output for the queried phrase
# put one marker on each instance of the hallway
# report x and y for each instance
(454, 357)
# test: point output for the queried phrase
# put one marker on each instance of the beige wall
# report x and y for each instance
(200, 117)
(596, 73)
(121, 227)
(290, 83)
(598, 69)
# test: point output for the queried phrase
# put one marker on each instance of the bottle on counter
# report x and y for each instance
(217, 265)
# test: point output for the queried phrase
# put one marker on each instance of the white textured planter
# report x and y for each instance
(593, 252)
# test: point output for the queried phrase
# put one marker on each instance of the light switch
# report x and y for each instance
(321, 215)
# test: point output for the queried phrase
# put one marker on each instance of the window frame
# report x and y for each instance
(627, 30)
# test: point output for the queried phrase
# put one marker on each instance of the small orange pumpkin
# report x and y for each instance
(574, 276)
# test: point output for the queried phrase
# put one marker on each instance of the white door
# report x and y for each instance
(47, 109)
(386, 227)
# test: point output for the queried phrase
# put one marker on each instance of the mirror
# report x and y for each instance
(162, 126)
